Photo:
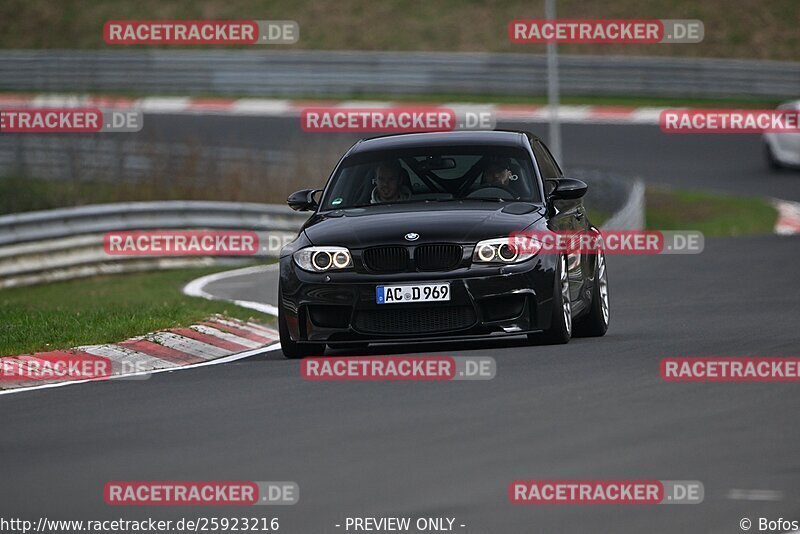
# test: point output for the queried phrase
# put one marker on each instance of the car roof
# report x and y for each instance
(463, 138)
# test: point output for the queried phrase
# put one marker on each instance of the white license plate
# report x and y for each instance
(412, 293)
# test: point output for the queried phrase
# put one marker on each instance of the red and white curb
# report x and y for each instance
(788, 217)
(269, 107)
(214, 341)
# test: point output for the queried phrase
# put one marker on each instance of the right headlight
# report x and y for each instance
(503, 250)
(321, 259)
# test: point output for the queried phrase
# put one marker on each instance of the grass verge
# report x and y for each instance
(714, 214)
(764, 29)
(597, 217)
(104, 309)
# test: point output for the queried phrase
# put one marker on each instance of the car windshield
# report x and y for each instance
(499, 174)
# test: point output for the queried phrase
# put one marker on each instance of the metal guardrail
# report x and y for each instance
(342, 74)
(621, 197)
(632, 214)
(91, 158)
(67, 243)
(174, 214)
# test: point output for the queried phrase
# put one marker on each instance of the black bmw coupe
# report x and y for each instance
(409, 241)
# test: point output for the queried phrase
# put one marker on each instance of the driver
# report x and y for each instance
(389, 184)
(496, 173)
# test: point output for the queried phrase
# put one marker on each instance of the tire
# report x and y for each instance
(560, 330)
(291, 349)
(772, 161)
(595, 322)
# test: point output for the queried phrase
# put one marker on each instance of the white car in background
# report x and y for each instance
(783, 149)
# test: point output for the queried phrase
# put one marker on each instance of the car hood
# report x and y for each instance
(457, 222)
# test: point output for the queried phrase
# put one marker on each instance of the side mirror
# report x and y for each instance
(566, 189)
(303, 200)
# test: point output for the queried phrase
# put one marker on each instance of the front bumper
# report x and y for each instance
(340, 307)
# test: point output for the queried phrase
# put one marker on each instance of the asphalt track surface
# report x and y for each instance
(593, 409)
(731, 163)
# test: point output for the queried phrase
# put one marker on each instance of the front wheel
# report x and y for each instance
(292, 349)
(560, 330)
(595, 322)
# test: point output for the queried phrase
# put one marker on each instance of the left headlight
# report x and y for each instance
(321, 259)
(502, 250)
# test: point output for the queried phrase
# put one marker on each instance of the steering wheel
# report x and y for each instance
(478, 193)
